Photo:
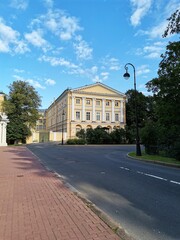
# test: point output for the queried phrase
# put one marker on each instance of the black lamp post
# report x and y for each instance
(127, 76)
(63, 127)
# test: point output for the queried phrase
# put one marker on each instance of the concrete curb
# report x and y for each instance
(155, 162)
(101, 214)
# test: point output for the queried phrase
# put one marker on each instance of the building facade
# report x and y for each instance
(86, 107)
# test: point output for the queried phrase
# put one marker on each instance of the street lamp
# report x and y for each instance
(127, 76)
(63, 113)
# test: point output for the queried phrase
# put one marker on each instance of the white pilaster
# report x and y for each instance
(83, 108)
(93, 109)
(103, 110)
(72, 109)
(112, 111)
(122, 111)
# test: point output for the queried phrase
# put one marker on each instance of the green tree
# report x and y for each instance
(97, 136)
(149, 137)
(118, 136)
(143, 106)
(21, 106)
(81, 134)
(166, 90)
(174, 24)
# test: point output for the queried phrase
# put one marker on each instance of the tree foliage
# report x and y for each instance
(174, 24)
(144, 111)
(166, 90)
(100, 135)
(21, 106)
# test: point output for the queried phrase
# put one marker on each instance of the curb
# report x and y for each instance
(155, 162)
(113, 225)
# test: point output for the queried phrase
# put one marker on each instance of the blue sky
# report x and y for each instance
(59, 44)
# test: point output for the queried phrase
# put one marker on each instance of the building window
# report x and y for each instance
(98, 116)
(78, 101)
(88, 101)
(98, 103)
(107, 103)
(107, 117)
(77, 115)
(116, 103)
(116, 117)
(88, 116)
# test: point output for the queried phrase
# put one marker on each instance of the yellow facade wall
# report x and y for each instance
(96, 99)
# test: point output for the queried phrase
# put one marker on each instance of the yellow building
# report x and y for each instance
(2, 96)
(86, 107)
(39, 133)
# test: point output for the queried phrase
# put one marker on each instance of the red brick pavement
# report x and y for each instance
(35, 205)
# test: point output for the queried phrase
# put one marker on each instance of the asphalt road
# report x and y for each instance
(142, 197)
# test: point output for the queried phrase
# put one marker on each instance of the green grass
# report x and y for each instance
(155, 158)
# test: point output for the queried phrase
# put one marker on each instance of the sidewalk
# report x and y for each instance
(35, 205)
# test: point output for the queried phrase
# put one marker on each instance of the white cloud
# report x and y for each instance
(82, 49)
(54, 61)
(59, 23)
(171, 7)
(19, 4)
(37, 40)
(50, 82)
(9, 40)
(105, 75)
(69, 26)
(96, 79)
(49, 3)
(21, 47)
(143, 69)
(152, 51)
(33, 82)
(94, 69)
(158, 30)
(18, 70)
(141, 9)
(111, 63)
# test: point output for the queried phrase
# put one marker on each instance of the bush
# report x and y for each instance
(76, 141)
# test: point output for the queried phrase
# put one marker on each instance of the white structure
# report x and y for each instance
(3, 124)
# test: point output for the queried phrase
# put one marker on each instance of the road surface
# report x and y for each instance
(143, 198)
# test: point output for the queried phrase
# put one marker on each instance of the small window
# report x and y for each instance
(116, 117)
(98, 118)
(116, 103)
(78, 101)
(88, 101)
(98, 103)
(107, 103)
(107, 116)
(77, 115)
(88, 116)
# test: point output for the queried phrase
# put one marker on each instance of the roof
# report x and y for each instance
(97, 84)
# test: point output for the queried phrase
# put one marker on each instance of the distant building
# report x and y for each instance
(39, 133)
(86, 107)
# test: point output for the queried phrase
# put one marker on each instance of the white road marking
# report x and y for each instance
(150, 175)
(154, 176)
(174, 182)
(125, 168)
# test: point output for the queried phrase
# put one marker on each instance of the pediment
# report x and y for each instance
(98, 88)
